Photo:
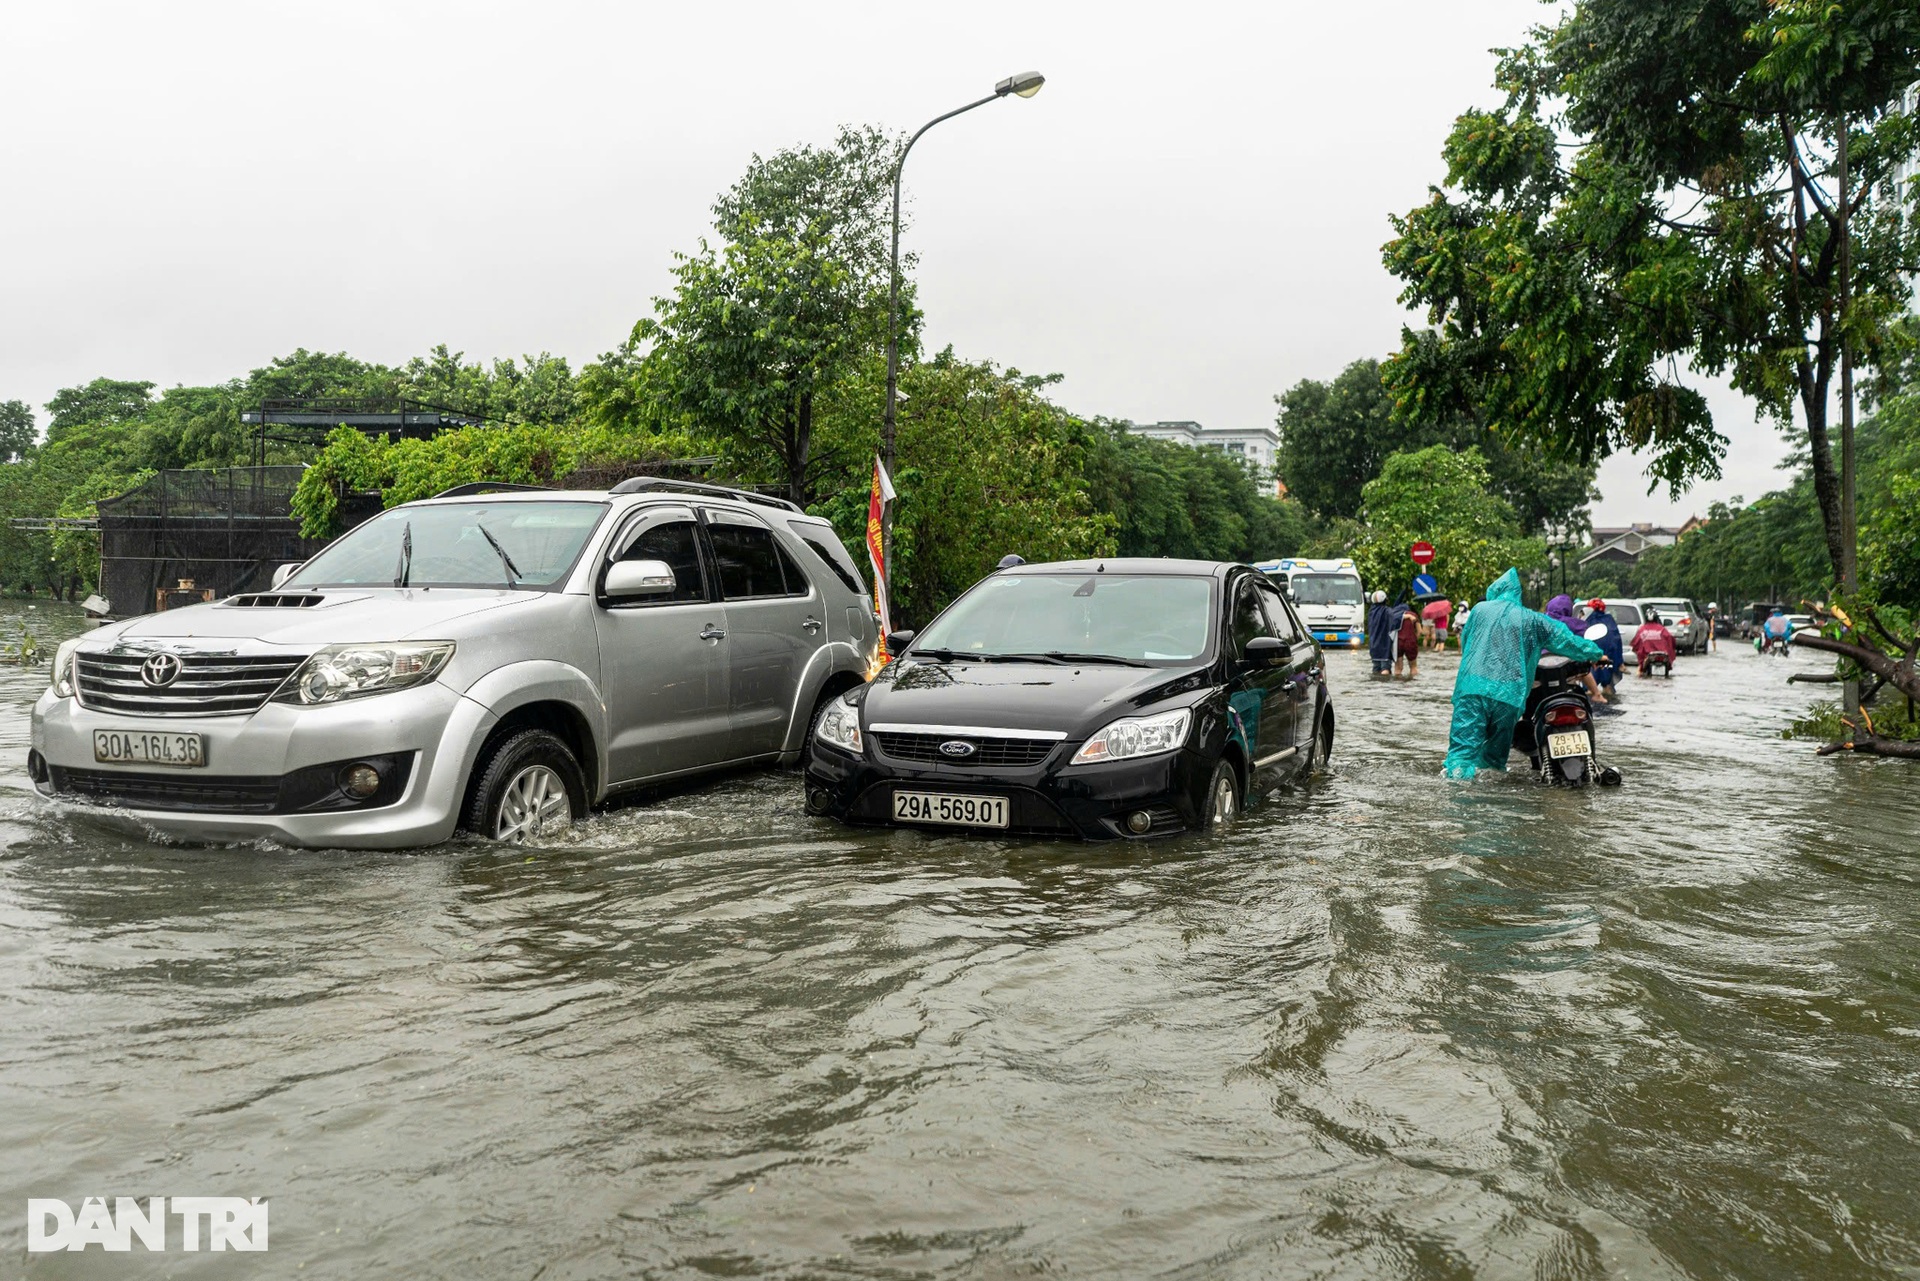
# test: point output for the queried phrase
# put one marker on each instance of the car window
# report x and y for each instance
(1150, 618)
(677, 542)
(477, 544)
(1628, 615)
(832, 555)
(748, 558)
(1279, 620)
(797, 583)
(1248, 622)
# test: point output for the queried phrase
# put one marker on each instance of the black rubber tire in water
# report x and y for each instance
(519, 785)
(1223, 796)
(1320, 752)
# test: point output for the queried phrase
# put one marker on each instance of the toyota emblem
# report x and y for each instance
(956, 747)
(161, 669)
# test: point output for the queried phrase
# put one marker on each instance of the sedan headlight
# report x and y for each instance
(1135, 737)
(355, 671)
(60, 675)
(840, 726)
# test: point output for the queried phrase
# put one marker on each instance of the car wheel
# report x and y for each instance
(529, 784)
(1320, 752)
(1223, 795)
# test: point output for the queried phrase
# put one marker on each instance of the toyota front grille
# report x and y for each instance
(201, 685)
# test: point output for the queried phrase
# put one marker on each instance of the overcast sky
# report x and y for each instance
(1185, 221)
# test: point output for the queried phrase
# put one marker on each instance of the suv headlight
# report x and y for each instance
(355, 671)
(840, 726)
(1136, 736)
(60, 675)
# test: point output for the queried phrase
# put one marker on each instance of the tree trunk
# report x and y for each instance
(802, 448)
(1874, 745)
(1901, 673)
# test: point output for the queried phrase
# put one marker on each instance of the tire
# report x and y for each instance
(526, 784)
(1223, 796)
(1320, 751)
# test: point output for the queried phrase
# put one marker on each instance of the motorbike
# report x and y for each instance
(1556, 728)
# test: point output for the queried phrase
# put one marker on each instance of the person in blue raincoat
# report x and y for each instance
(1381, 625)
(1597, 615)
(1498, 651)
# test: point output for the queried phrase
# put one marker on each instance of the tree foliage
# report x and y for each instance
(1657, 188)
(1442, 496)
(1336, 436)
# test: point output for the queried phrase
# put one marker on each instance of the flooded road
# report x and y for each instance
(1389, 1027)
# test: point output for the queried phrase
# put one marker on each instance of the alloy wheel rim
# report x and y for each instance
(534, 798)
(1223, 803)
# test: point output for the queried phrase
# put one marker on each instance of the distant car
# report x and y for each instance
(1681, 617)
(1802, 623)
(1100, 699)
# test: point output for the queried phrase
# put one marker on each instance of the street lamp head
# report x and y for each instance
(1024, 85)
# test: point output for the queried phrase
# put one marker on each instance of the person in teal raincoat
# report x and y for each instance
(1498, 650)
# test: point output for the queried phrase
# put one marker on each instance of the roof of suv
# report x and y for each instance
(1129, 565)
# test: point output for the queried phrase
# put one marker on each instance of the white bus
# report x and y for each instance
(1327, 596)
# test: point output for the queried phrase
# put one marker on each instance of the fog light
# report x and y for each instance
(360, 781)
(1139, 821)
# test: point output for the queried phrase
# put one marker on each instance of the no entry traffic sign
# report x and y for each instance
(1422, 553)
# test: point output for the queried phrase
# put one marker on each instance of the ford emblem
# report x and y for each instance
(956, 747)
(160, 670)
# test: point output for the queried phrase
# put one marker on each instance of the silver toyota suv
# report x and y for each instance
(493, 661)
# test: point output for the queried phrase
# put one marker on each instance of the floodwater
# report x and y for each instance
(1388, 1027)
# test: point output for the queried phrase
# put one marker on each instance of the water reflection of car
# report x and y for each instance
(1327, 596)
(498, 662)
(1098, 699)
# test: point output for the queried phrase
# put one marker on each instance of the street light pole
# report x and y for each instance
(1024, 85)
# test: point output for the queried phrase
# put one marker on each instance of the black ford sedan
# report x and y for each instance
(1101, 699)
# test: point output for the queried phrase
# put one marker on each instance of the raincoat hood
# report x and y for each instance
(1506, 588)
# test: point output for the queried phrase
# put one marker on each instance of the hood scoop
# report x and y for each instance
(275, 600)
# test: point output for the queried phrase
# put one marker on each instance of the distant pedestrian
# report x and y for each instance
(1380, 636)
(1409, 643)
(1437, 613)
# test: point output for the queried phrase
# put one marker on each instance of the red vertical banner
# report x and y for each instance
(877, 553)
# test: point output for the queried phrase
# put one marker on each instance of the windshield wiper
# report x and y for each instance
(405, 567)
(1069, 660)
(513, 570)
(948, 655)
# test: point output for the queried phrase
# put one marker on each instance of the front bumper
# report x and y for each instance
(1338, 637)
(435, 729)
(1092, 802)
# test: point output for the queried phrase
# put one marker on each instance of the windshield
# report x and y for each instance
(1150, 618)
(521, 544)
(1325, 589)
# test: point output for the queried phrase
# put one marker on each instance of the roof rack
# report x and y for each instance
(641, 484)
(491, 487)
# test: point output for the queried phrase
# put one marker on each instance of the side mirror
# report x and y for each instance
(1268, 651)
(630, 579)
(282, 573)
(1596, 633)
(897, 641)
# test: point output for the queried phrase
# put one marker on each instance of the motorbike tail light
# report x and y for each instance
(1565, 716)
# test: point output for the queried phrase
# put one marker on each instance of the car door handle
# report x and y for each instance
(812, 625)
(710, 632)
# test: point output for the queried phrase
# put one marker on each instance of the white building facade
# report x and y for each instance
(1254, 446)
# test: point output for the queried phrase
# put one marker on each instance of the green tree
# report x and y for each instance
(17, 432)
(759, 331)
(1442, 496)
(1335, 437)
(1659, 186)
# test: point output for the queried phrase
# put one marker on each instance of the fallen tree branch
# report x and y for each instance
(1901, 674)
(1874, 745)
